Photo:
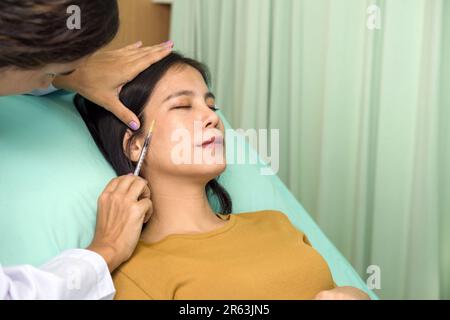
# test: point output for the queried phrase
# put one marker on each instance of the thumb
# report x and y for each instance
(124, 114)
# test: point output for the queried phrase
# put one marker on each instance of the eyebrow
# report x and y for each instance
(188, 93)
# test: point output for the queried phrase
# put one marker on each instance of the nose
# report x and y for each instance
(210, 118)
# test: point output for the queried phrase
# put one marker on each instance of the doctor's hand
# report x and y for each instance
(342, 293)
(101, 77)
(123, 208)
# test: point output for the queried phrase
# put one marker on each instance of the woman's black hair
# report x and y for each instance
(108, 131)
(34, 33)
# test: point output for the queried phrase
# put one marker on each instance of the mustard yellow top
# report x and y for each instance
(255, 255)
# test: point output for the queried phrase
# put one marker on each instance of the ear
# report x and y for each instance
(135, 147)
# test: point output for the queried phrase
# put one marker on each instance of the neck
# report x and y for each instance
(179, 207)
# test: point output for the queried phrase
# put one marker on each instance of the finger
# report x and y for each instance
(135, 45)
(162, 50)
(140, 60)
(112, 185)
(139, 65)
(141, 52)
(123, 114)
(149, 213)
(139, 189)
(125, 183)
(144, 207)
(132, 50)
(168, 45)
(131, 53)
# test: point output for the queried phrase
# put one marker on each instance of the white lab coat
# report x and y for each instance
(75, 274)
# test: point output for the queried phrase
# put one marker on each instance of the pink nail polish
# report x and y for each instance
(169, 44)
(133, 125)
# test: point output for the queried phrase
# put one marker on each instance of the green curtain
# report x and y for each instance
(364, 118)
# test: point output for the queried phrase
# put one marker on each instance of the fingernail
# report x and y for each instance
(168, 44)
(133, 125)
(130, 174)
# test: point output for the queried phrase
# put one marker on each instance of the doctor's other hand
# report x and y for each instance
(102, 75)
(123, 208)
(342, 293)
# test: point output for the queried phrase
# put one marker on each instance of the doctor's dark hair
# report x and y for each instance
(108, 131)
(34, 33)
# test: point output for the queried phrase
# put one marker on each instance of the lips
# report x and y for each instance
(212, 141)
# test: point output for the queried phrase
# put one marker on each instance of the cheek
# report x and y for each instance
(173, 147)
(17, 83)
(172, 127)
(221, 127)
(38, 81)
(167, 136)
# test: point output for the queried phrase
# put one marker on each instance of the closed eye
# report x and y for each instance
(214, 107)
(182, 107)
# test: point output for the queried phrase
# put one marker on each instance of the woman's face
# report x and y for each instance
(17, 81)
(188, 135)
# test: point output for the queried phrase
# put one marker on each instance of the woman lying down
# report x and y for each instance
(186, 250)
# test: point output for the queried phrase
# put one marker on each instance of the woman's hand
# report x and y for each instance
(342, 293)
(101, 77)
(123, 207)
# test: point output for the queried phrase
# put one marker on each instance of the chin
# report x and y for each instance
(207, 172)
(215, 168)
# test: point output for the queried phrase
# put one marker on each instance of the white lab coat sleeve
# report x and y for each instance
(75, 274)
(43, 92)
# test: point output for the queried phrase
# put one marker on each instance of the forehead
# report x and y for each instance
(180, 78)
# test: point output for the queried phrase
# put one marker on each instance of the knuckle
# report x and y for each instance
(104, 196)
(148, 203)
(141, 182)
(144, 184)
(116, 196)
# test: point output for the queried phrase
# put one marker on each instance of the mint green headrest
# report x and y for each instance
(52, 174)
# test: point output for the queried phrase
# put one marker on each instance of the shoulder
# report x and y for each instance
(127, 288)
(270, 217)
(264, 214)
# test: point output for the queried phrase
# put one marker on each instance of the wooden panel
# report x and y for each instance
(142, 20)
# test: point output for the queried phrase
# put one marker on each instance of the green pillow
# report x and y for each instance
(51, 177)
(52, 174)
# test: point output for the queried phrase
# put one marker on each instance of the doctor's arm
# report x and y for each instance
(74, 274)
(123, 207)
